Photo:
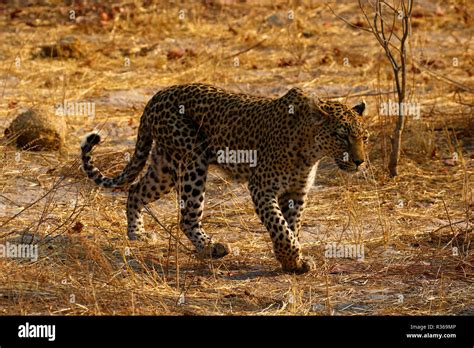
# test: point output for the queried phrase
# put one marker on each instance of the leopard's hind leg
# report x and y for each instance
(153, 185)
(190, 184)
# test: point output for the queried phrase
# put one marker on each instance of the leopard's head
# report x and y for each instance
(345, 137)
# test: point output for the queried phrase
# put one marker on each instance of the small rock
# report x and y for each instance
(26, 238)
(65, 47)
(135, 265)
(275, 21)
(175, 53)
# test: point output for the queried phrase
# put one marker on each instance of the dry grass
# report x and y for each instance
(408, 225)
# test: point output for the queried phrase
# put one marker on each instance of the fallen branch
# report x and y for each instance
(444, 78)
(247, 49)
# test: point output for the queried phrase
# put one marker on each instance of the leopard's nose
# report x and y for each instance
(358, 162)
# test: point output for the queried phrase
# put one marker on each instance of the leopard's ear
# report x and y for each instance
(319, 115)
(359, 108)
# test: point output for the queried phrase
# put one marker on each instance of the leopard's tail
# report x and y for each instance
(133, 167)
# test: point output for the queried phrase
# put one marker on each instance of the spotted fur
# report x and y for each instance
(188, 125)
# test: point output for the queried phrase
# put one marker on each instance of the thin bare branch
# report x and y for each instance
(388, 5)
(346, 21)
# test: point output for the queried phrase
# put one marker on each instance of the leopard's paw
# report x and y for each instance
(214, 251)
(143, 236)
(299, 266)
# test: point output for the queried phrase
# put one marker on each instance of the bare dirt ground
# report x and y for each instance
(416, 229)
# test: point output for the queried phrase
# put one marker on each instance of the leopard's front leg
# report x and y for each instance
(293, 200)
(286, 246)
(292, 205)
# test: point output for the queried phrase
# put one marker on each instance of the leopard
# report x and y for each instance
(184, 129)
